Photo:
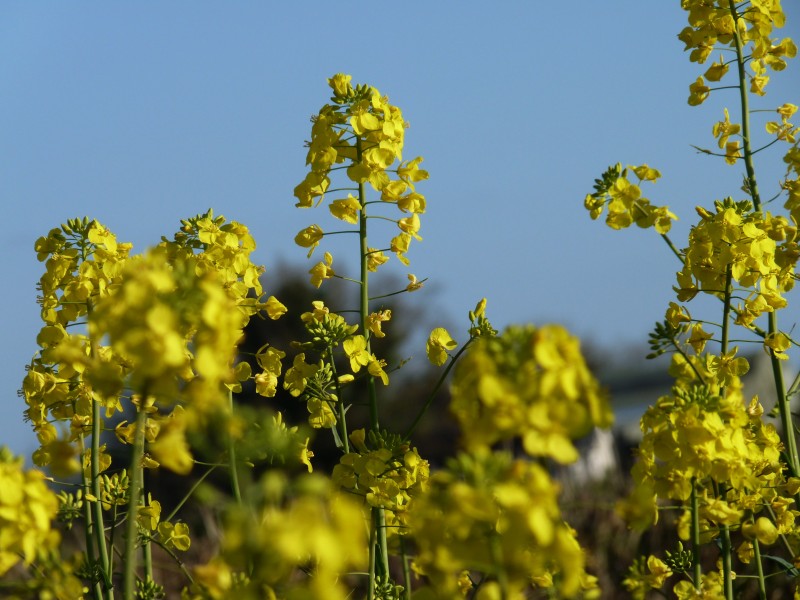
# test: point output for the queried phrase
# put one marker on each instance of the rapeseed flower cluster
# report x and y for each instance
(759, 251)
(706, 448)
(625, 202)
(488, 521)
(728, 25)
(702, 437)
(530, 383)
(646, 574)
(492, 522)
(156, 333)
(158, 307)
(27, 508)
(388, 472)
(295, 541)
(164, 325)
(364, 133)
(83, 266)
(318, 384)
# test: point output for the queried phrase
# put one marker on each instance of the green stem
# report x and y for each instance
(379, 517)
(147, 551)
(147, 556)
(234, 472)
(372, 561)
(342, 414)
(111, 533)
(745, 106)
(382, 544)
(406, 570)
(131, 529)
(727, 569)
(727, 572)
(189, 493)
(97, 509)
(89, 531)
(403, 291)
(435, 390)
(762, 584)
(784, 407)
(752, 185)
(364, 312)
(698, 568)
(672, 247)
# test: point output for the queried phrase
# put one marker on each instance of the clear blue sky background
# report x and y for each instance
(140, 114)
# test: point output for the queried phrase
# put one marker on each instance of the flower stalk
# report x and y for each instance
(129, 561)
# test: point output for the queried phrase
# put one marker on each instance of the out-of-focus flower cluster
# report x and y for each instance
(295, 541)
(489, 519)
(159, 331)
(530, 383)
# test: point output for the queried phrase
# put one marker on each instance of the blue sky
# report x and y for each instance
(140, 114)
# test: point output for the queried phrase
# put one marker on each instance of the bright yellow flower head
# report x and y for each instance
(309, 238)
(346, 210)
(307, 523)
(171, 448)
(322, 270)
(529, 383)
(722, 130)
(490, 515)
(626, 205)
(275, 308)
(27, 507)
(297, 376)
(698, 92)
(341, 85)
(699, 338)
(717, 70)
(375, 259)
(438, 345)
(762, 529)
(361, 135)
(356, 349)
(376, 319)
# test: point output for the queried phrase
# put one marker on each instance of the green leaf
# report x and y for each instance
(788, 567)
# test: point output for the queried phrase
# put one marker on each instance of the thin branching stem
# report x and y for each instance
(135, 494)
(435, 390)
(762, 584)
(696, 565)
(97, 522)
(752, 186)
(379, 517)
(232, 466)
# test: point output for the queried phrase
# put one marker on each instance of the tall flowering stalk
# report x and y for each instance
(706, 446)
(490, 524)
(154, 335)
(360, 134)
